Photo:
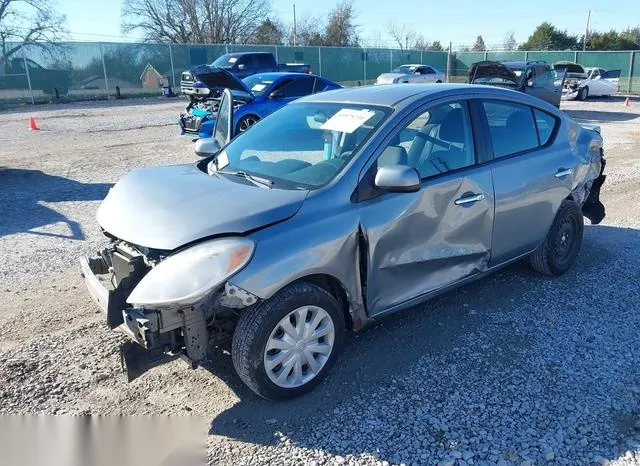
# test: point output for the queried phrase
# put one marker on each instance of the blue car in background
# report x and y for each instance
(254, 97)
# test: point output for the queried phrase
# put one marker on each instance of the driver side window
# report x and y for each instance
(437, 141)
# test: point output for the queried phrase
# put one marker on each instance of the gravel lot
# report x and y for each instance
(515, 369)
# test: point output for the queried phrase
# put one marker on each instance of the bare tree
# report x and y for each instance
(401, 34)
(195, 21)
(308, 32)
(510, 41)
(28, 22)
(340, 30)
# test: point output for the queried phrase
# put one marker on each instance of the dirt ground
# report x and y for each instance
(57, 355)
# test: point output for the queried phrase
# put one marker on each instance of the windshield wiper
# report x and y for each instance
(255, 179)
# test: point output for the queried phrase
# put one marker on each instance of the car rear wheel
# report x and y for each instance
(438, 82)
(560, 248)
(246, 122)
(284, 346)
(583, 93)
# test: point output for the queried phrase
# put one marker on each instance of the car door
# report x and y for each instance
(531, 176)
(544, 85)
(429, 74)
(609, 82)
(421, 241)
(287, 91)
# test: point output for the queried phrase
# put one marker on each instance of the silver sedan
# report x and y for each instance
(334, 212)
(412, 74)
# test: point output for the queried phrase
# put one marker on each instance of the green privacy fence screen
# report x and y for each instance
(84, 71)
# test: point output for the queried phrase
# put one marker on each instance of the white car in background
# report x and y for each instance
(597, 83)
(412, 74)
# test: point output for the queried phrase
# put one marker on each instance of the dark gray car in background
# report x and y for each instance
(334, 211)
(536, 78)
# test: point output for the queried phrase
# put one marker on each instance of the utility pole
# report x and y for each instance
(406, 43)
(294, 24)
(586, 31)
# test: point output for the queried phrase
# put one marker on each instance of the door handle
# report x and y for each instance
(469, 199)
(561, 173)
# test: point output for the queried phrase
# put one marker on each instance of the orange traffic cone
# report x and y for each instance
(627, 102)
(32, 124)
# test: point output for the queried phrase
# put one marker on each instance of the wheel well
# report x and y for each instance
(256, 117)
(333, 286)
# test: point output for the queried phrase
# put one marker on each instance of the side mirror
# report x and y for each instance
(277, 94)
(241, 66)
(206, 147)
(398, 179)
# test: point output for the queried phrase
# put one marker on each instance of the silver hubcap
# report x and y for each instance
(246, 123)
(299, 346)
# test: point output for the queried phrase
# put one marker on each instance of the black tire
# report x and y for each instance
(560, 248)
(254, 329)
(438, 82)
(583, 93)
(246, 122)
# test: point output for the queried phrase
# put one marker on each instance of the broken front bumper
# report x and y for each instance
(159, 333)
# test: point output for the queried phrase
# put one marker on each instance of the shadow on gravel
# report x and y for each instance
(595, 116)
(23, 193)
(377, 359)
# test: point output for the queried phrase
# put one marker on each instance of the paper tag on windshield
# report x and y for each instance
(259, 87)
(347, 120)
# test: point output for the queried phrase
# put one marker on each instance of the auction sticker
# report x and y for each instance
(347, 120)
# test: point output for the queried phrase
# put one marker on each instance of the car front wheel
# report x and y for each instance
(583, 93)
(559, 250)
(283, 347)
(246, 122)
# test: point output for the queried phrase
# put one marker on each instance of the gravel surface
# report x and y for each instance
(514, 369)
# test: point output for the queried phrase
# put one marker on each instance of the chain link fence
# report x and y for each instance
(89, 71)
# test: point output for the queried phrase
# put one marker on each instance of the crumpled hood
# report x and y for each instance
(215, 77)
(389, 77)
(167, 207)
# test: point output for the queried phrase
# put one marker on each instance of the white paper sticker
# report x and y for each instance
(232, 60)
(347, 120)
(258, 87)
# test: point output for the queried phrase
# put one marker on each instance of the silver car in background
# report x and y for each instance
(412, 74)
(336, 210)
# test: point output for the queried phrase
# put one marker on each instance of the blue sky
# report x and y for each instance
(459, 21)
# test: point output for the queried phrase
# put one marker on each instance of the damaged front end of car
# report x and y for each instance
(165, 310)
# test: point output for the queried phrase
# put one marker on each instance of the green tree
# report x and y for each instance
(340, 30)
(270, 32)
(479, 46)
(611, 40)
(436, 46)
(548, 37)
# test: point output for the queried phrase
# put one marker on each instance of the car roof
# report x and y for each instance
(237, 54)
(396, 95)
(274, 75)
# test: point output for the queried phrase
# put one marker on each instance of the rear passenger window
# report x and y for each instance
(546, 124)
(511, 127)
(298, 87)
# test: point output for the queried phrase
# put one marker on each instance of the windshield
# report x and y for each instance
(257, 83)
(301, 145)
(225, 61)
(404, 69)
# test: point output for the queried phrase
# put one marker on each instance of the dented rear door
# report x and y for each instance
(419, 242)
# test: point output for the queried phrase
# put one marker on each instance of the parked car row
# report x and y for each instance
(552, 83)
(332, 212)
